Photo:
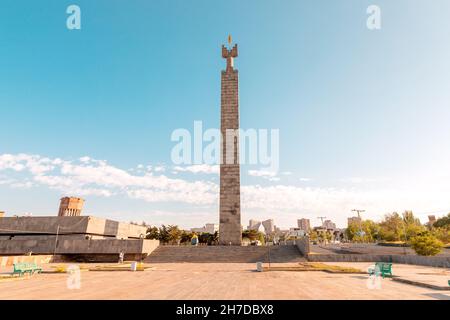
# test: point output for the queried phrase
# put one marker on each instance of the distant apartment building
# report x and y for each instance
(304, 224)
(253, 224)
(329, 225)
(269, 226)
(70, 207)
(208, 228)
(296, 233)
(431, 220)
(353, 220)
(2, 214)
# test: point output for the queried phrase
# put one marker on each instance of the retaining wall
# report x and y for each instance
(303, 245)
(440, 262)
(74, 246)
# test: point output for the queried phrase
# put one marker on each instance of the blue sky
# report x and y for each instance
(363, 115)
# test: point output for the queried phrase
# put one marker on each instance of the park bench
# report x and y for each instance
(25, 267)
(383, 268)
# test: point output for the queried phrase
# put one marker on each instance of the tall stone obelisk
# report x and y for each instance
(230, 231)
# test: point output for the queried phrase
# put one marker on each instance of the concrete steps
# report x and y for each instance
(248, 254)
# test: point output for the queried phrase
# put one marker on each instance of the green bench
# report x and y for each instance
(26, 267)
(383, 268)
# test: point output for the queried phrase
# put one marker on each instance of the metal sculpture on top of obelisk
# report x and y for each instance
(230, 230)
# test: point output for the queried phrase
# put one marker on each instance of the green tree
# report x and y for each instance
(412, 227)
(392, 227)
(174, 234)
(426, 244)
(443, 222)
(261, 238)
(216, 237)
(443, 234)
(152, 233)
(164, 234)
(186, 236)
(253, 235)
(366, 231)
(313, 236)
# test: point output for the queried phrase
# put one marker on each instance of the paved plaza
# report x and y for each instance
(170, 281)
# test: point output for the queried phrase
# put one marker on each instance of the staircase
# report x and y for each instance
(211, 254)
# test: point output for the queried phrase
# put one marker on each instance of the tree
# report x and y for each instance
(174, 234)
(261, 238)
(215, 238)
(443, 222)
(392, 227)
(152, 233)
(186, 236)
(253, 235)
(313, 236)
(426, 244)
(163, 234)
(412, 230)
(412, 227)
(366, 231)
(250, 234)
(203, 238)
(443, 234)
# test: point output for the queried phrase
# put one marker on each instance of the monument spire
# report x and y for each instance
(229, 54)
(230, 230)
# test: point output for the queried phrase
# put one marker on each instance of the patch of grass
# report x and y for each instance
(120, 267)
(331, 268)
(62, 268)
(315, 266)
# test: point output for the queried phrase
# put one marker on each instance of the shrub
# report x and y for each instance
(426, 245)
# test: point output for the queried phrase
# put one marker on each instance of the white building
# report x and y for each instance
(296, 233)
(304, 224)
(269, 226)
(208, 228)
(329, 225)
(253, 225)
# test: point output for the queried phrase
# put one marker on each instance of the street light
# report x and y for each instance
(359, 211)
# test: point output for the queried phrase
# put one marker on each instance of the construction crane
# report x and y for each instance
(359, 211)
(321, 218)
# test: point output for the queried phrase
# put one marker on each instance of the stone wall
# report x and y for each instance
(303, 245)
(70, 225)
(440, 262)
(8, 261)
(76, 246)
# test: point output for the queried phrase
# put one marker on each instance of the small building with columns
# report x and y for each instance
(70, 207)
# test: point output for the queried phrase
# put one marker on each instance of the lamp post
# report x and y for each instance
(359, 218)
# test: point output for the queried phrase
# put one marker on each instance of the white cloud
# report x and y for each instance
(199, 168)
(266, 174)
(90, 177)
(160, 168)
(360, 180)
(87, 176)
(262, 173)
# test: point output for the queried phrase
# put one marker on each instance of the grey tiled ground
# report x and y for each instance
(212, 281)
